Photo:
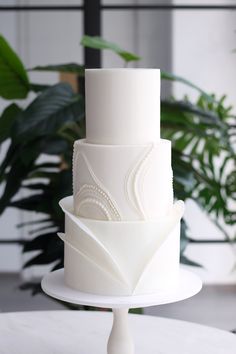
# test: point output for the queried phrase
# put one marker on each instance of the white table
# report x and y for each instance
(84, 332)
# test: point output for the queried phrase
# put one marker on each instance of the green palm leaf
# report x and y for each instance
(14, 82)
(63, 68)
(48, 112)
(101, 44)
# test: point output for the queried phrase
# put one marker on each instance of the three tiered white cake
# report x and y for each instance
(122, 228)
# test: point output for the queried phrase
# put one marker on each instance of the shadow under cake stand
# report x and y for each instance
(120, 340)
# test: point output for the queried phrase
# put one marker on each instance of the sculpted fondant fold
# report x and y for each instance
(128, 258)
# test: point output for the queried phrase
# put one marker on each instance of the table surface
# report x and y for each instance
(85, 332)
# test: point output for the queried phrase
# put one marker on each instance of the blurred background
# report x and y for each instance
(197, 43)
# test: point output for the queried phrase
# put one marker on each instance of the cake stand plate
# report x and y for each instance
(53, 284)
(120, 340)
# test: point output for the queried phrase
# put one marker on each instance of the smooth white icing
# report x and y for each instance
(122, 106)
(132, 182)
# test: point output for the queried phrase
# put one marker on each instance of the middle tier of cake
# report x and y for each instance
(122, 182)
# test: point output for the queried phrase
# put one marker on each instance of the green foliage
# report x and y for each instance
(201, 139)
(14, 82)
(201, 133)
(100, 43)
(47, 113)
(62, 68)
(171, 77)
(8, 117)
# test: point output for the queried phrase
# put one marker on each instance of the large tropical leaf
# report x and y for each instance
(100, 43)
(202, 153)
(14, 82)
(37, 88)
(48, 256)
(186, 124)
(6, 121)
(19, 166)
(40, 242)
(47, 113)
(171, 77)
(63, 68)
(14, 178)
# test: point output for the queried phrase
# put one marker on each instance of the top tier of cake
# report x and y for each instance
(122, 106)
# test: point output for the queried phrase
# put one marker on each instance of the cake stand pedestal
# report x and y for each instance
(120, 340)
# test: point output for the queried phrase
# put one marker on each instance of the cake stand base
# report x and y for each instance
(120, 340)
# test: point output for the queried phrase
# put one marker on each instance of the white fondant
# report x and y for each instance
(79, 236)
(91, 198)
(161, 260)
(121, 258)
(122, 232)
(132, 182)
(74, 257)
(122, 106)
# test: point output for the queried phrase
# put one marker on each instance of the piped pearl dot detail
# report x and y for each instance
(95, 195)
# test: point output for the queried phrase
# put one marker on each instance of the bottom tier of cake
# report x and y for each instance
(121, 258)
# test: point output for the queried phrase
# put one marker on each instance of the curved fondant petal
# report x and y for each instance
(169, 241)
(106, 271)
(80, 237)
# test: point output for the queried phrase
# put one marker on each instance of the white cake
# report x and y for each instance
(121, 225)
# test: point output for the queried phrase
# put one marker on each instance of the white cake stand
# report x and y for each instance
(120, 340)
